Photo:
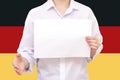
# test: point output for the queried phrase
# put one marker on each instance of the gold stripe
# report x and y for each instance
(103, 67)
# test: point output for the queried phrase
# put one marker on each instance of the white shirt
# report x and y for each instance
(57, 68)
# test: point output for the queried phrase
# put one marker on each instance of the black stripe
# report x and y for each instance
(13, 12)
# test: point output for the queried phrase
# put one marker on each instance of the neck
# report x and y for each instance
(65, 3)
(61, 5)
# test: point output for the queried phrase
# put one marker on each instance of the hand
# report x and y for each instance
(20, 64)
(94, 44)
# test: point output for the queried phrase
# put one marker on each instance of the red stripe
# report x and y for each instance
(10, 37)
(111, 39)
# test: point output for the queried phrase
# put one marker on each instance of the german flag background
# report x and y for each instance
(106, 66)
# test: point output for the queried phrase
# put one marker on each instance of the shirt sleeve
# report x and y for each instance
(95, 33)
(26, 47)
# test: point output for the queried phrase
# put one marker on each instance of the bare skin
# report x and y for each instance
(93, 43)
(20, 64)
(61, 5)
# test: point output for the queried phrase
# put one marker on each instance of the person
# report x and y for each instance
(57, 68)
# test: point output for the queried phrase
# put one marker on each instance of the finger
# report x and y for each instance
(16, 67)
(89, 37)
(18, 72)
(93, 46)
(17, 61)
(15, 64)
(91, 41)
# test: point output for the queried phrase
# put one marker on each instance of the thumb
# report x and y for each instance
(19, 57)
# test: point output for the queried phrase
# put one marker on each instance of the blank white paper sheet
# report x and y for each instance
(59, 38)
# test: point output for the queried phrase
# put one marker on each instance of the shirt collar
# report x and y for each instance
(49, 4)
(73, 5)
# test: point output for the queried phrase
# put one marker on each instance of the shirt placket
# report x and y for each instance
(62, 69)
